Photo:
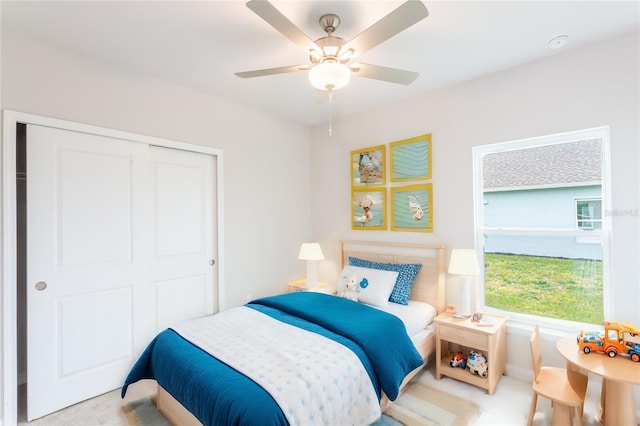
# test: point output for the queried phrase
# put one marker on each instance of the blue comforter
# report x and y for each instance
(219, 395)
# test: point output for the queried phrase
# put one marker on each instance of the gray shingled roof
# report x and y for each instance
(571, 163)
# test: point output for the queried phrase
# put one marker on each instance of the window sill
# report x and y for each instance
(522, 324)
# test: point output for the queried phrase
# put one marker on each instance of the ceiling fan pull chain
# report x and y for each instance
(330, 112)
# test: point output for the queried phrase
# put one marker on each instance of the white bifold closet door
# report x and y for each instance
(119, 245)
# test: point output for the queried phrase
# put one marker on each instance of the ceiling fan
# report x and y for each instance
(329, 56)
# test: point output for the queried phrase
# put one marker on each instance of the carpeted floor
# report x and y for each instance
(143, 412)
(419, 405)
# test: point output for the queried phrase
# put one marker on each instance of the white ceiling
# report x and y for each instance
(200, 44)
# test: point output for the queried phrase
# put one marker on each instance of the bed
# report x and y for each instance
(340, 345)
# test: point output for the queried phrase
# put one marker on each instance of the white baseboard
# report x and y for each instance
(524, 374)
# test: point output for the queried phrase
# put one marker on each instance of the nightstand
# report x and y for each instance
(301, 285)
(464, 335)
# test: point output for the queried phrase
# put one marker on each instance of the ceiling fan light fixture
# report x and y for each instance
(329, 76)
(346, 55)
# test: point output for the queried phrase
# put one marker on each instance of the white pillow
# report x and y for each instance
(374, 285)
(415, 316)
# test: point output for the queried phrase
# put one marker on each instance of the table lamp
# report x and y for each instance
(312, 253)
(464, 263)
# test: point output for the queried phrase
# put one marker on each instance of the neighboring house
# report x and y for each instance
(552, 187)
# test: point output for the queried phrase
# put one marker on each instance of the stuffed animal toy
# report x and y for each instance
(351, 289)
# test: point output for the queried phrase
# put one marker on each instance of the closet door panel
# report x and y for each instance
(181, 271)
(86, 253)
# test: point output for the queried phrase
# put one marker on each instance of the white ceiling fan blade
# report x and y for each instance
(392, 75)
(277, 20)
(395, 22)
(272, 71)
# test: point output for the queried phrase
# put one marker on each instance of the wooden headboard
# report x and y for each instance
(429, 283)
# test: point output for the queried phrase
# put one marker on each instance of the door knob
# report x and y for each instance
(212, 262)
(41, 285)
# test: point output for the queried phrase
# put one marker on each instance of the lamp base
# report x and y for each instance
(464, 298)
(312, 274)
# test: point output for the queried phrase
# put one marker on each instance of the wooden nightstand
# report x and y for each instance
(463, 334)
(301, 285)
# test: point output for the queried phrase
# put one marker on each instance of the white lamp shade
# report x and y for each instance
(329, 76)
(464, 262)
(310, 251)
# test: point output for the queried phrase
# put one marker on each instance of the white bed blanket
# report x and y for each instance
(314, 380)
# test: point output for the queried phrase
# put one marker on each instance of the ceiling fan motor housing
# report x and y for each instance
(330, 46)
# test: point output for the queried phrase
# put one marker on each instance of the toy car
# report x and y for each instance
(634, 351)
(477, 363)
(458, 359)
(590, 341)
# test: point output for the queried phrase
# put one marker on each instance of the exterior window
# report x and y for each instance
(589, 214)
(540, 226)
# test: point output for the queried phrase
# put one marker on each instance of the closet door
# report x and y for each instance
(182, 258)
(120, 245)
(87, 249)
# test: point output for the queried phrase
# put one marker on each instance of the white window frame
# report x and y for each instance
(593, 221)
(528, 320)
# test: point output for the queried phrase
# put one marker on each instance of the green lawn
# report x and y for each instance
(558, 288)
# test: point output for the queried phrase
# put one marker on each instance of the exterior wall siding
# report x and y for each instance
(550, 208)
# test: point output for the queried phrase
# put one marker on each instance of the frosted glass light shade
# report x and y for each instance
(329, 76)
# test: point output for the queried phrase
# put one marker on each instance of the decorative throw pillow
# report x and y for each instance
(374, 285)
(406, 275)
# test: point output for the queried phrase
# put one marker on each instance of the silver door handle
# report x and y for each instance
(40, 285)
(212, 262)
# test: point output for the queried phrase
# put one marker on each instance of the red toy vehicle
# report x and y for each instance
(458, 359)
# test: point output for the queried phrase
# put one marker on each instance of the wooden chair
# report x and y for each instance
(565, 388)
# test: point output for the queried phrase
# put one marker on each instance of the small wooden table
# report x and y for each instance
(619, 375)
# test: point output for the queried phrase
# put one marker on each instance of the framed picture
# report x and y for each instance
(412, 208)
(411, 159)
(367, 166)
(368, 209)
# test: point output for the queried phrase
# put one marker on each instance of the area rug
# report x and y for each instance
(419, 405)
(422, 405)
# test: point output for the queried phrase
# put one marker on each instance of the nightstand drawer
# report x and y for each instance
(463, 337)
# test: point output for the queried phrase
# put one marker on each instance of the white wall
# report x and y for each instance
(265, 211)
(264, 208)
(576, 89)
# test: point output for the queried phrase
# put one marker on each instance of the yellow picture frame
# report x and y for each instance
(410, 159)
(412, 208)
(368, 166)
(368, 209)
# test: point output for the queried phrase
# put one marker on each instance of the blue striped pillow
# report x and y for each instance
(406, 275)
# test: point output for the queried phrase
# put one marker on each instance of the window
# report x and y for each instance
(540, 225)
(589, 214)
